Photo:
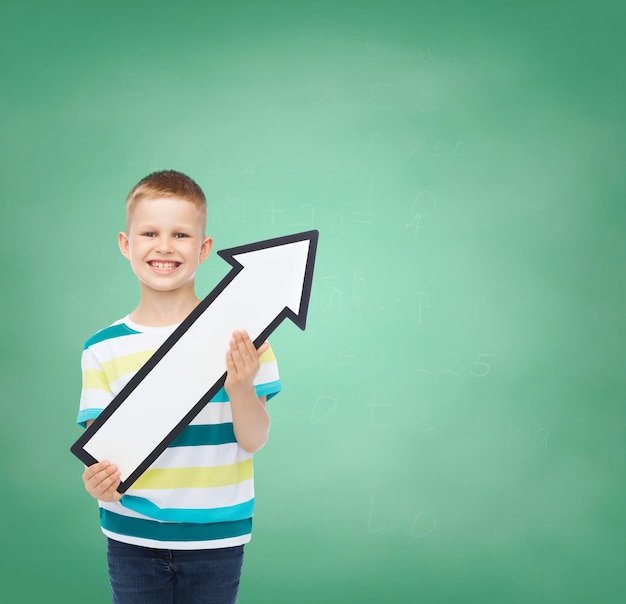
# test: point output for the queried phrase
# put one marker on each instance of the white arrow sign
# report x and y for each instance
(270, 281)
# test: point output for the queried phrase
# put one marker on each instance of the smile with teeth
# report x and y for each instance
(164, 265)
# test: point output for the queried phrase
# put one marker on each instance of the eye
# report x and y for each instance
(149, 234)
(181, 235)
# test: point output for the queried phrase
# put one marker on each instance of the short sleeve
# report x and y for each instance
(96, 393)
(267, 382)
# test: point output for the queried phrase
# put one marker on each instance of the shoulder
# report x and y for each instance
(116, 330)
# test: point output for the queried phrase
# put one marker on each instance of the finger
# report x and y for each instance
(249, 344)
(263, 348)
(95, 469)
(234, 354)
(110, 491)
(101, 479)
(244, 344)
(106, 491)
(231, 368)
(109, 485)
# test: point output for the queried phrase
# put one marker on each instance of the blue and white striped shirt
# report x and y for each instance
(199, 493)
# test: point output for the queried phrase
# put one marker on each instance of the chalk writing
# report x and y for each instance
(307, 218)
(361, 294)
(336, 224)
(354, 354)
(439, 148)
(528, 438)
(423, 204)
(237, 210)
(421, 54)
(370, 143)
(324, 409)
(373, 406)
(269, 224)
(420, 419)
(453, 363)
(332, 296)
(480, 368)
(377, 94)
(424, 523)
(368, 215)
(423, 303)
(327, 97)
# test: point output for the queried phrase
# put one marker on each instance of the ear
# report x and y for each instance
(124, 244)
(205, 248)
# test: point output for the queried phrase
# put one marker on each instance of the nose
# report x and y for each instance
(164, 245)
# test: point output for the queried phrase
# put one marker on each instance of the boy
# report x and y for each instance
(177, 534)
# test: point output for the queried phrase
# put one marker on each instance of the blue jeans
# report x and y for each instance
(142, 575)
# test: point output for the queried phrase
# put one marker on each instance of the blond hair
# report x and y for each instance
(166, 183)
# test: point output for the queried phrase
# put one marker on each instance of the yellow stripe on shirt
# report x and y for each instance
(130, 363)
(198, 478)
(94, 379)
(267, 356)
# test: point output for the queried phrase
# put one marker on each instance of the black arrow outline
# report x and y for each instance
(229, 254)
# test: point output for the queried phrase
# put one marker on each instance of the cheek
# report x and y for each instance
(137, 251)
(195, 252)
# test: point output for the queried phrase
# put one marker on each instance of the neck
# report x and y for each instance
(159, 309)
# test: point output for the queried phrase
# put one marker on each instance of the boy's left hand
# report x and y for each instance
(242, 363)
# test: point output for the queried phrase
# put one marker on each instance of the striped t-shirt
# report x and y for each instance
(199, 493)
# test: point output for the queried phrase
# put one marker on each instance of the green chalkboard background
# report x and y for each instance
(453, 421)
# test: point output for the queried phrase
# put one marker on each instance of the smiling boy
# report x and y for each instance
(178, 533)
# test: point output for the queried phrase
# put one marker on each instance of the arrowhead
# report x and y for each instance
(281, 269)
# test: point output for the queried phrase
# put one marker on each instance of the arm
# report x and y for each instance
(251, 421)
(102, 479)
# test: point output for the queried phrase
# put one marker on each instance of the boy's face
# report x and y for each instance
(165, 243)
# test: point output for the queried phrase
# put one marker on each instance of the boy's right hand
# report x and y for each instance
(101, 481)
